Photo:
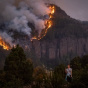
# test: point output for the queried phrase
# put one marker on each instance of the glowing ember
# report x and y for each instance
(4, 45)
(33, 38)
(48, 24)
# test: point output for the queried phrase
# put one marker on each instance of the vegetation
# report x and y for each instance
(19, 72)
(80, 73)
(58, 78)
(3, 55)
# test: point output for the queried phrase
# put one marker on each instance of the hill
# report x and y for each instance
(65, 39)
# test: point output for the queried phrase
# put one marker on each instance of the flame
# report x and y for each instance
(48, 24)
(52, 8)
(34, 38)
(50, 16)
(4, 45)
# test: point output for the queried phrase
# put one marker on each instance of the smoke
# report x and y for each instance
(18, 13)
(39, 6)
(20, 24)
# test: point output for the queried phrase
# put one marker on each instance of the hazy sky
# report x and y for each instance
(75, 8)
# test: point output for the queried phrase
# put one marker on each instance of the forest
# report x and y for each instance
(20, 72)
(42, 63)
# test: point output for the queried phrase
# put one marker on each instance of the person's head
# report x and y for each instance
(68, 65)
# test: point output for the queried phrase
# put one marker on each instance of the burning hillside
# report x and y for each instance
(61, 35)
(48, 24)
(17, 17)
(4, 44)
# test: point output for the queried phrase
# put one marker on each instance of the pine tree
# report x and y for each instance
(17, 67)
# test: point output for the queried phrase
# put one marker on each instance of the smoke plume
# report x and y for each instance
(17, 14)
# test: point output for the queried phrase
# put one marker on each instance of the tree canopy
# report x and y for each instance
(18, 68)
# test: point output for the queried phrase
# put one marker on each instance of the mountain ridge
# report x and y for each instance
(66, 39)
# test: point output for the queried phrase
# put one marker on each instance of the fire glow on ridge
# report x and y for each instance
(4, 45)
(48, 23)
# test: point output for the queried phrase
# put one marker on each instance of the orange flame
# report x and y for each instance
(33, 38)
(50, 16)
(4, 45)
(48, 24)
(52, 8)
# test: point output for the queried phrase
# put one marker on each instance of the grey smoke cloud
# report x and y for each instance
(19, 16)
(10, 12)
(39, 6)
(20, 24)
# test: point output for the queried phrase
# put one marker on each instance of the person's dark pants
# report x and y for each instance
(69, 79)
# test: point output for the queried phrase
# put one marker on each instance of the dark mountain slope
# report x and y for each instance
(66, 39)
(65, 26)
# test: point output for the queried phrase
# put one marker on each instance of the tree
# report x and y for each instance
(84, 76)
(76, 63)
(80, 74)
(58, 78)
(84, 60)
(39, 76)
(17, 67)
(2, 78)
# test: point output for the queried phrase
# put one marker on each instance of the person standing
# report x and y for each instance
(68, 72)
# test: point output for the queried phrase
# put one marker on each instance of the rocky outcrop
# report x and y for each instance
(66, 39)
(61, 48)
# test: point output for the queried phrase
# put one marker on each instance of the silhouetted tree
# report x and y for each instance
(58, 78)
(18, 68)
(76, 63)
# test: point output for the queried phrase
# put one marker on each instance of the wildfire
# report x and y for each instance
(52, 8)
(48, 24)
(33, 38)
(4, 45)
(50, 16)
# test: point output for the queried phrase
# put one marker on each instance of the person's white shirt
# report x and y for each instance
(69, 71)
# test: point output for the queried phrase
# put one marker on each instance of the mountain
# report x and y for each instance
(66, 39)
